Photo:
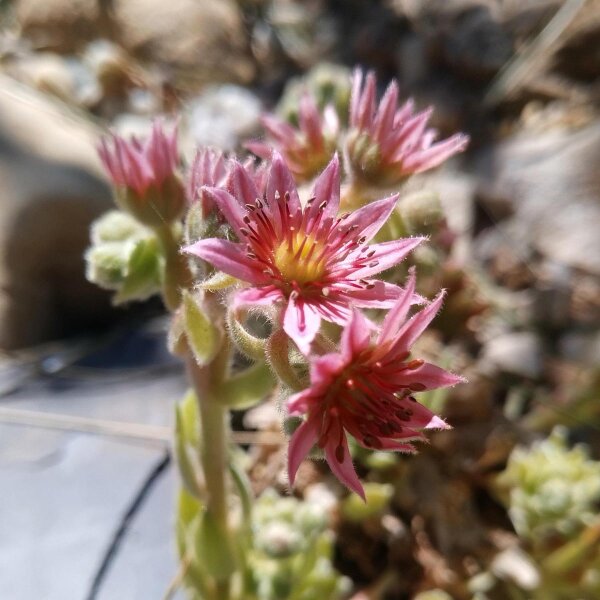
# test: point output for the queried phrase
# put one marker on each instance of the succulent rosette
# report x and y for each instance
(366, 389)
(315, 263)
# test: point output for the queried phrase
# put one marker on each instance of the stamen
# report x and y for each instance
(415, 364)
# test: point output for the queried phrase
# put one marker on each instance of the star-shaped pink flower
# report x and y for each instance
(387, 144)
(317, 264)
(366, 390)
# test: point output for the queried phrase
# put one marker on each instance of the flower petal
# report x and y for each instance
(370, 218)
(281, 181)
(428, 376)
(355, 337)
(379, 294)
(417, 324)
(386, 255)
(327, 189)
(396, 317)
(228, 257)
(232, 210)
(301, 322)
(435, 154)
(325, 368)
(266, 295)
(241, 185)
(298, 404)
(302, 440)
(343, 470)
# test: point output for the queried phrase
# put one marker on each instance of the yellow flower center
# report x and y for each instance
(299, 259)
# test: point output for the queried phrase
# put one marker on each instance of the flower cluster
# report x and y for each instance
(298, 257)
(384, 144)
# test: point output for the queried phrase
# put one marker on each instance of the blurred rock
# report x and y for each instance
(517, 353)
(223, 116)
(553, 183)
(204, 41)
(581, 347)
(47, 72)
(60, 25)
(50, 196)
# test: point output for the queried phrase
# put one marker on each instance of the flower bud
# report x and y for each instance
(144, 173)
(421, 212)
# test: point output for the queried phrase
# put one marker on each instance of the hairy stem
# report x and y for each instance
(214, 436)
(177, 273)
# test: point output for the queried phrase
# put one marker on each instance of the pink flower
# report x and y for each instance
(386, 144)
(308, 149)
(315, 263)
(144, 174)
(367, 391)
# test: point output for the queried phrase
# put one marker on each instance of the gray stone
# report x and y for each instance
(58, 24)
(205, 41)
(553, 181)
(517, 353)
(51, 193)
(61, 502)
(147, 561)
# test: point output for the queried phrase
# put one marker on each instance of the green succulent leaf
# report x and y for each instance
(248, 388)
(203, 337)
(214, 548)
(143, 272)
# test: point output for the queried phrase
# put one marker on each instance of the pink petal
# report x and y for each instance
(241, 185)
(417, 324)
(366, 108)
(357, 78)
(389, 444)
(281, 181)
(327, 189)
(230, 207)
(384, 121)
(228, 257)
(302, 440)
(355, 337)
(437, 423)
(381, 295)
(386, 255)
(412, 132)
(344, 470)
(265, 295)
(279, 129)
(325, 368)
(435, 155)
(310, 121)
(429, 376)
(298, 404)
(261, 149)
(301, 322)
(396, 317)
(370, 218)
(331, 121)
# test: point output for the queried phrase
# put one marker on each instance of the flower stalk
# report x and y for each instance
(308, 266)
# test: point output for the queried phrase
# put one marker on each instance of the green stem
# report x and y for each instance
(177, 273)
(213, 455)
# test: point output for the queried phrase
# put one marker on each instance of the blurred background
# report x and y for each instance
(87, 390)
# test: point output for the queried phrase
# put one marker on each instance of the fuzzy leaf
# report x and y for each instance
(143, 272)
(214, 548)
(248, 388)
(186, 453)
(203, 337)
